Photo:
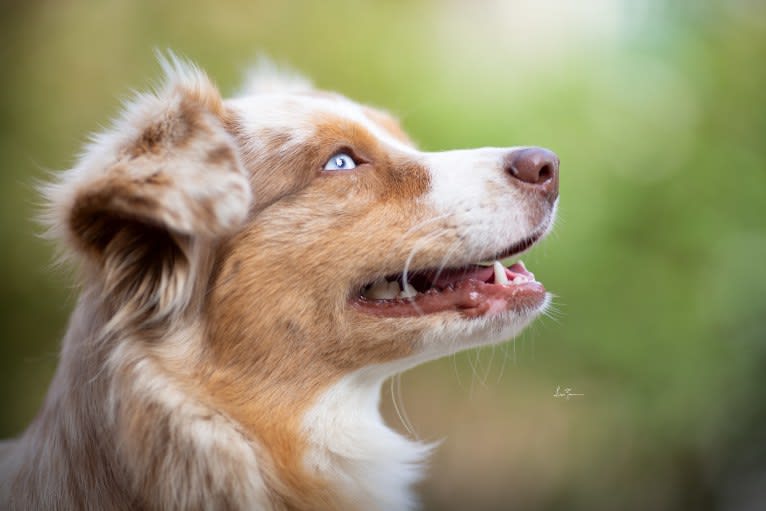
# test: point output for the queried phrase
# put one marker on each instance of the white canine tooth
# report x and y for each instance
(408, 291)
(381, 290)
(500, 276)
(393, 288)
(521, 279)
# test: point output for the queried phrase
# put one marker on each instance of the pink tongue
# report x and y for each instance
(447, 277)
(521, 269)
(480, 273)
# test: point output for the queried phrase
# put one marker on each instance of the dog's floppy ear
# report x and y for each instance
(151, 192)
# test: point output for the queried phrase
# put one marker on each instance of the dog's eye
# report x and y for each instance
(340, 161)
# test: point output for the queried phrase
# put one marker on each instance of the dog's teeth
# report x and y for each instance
(408, 291)
(394, 289)
(531, 275)
(521, 279)
(382, 290)
(500, 276)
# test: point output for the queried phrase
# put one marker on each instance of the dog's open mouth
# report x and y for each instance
(473, 290)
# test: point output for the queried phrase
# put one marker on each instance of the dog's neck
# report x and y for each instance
(363, 463)
(371, 465)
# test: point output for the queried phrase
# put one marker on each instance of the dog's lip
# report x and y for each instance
(519, 247)
(470, 298)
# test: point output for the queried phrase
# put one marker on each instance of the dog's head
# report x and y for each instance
(303, 228)
(361, 249)
(299, 236)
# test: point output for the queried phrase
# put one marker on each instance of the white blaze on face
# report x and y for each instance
(285, 114)
(471, 190)
(295, 115)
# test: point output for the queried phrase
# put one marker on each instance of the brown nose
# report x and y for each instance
(535, 166)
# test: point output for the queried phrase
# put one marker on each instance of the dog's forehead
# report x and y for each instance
(298, 117)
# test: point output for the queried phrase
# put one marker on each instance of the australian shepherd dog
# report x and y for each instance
(251, 270)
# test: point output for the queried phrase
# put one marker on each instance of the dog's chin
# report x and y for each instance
(455, 333)
(439, 335)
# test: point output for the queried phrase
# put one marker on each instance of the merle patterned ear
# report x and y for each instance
(165, 177)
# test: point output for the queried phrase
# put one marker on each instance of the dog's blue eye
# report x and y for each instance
(340, 161)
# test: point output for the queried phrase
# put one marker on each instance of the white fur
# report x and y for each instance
(284, 112)
(266, 76)
(471, 188)
(372, 466)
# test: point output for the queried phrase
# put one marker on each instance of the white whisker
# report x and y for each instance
(398, 401)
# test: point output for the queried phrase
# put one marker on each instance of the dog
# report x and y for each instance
(251, 271)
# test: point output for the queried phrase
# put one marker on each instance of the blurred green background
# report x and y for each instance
(658, 112)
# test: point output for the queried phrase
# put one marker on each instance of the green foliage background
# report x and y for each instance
(658, 112)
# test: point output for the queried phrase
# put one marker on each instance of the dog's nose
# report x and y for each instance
(535, 166)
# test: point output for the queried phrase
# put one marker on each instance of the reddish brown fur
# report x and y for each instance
(277, 336)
